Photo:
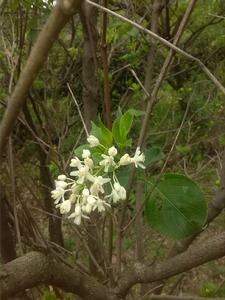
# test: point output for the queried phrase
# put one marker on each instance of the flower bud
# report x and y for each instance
(93, 141)
(62, 177)
(112, 151)
(86, 153)
(125, 160)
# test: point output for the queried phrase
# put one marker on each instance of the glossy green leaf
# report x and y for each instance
(176, 206)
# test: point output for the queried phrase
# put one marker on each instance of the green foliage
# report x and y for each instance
(176, 206)
(183, 149)
(153, 155)
(209, 289)
(73, 52)
(123, 176)
(127, 244)
(69, 244)
(122, 126)
(101, 132)
(48, 295)
(54, 169)
(79, 150)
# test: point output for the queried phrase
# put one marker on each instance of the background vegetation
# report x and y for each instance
(111, 66)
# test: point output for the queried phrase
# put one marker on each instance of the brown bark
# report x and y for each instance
(168, 297)
(156, 12)
(57, 20)
(36, 268)
(89, 64)
(55, 229)
(90, 102)
(199, 254)
(7, 241)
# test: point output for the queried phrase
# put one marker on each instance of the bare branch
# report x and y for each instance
(167, 297)
(213, 248)
(57, 20)
(167, 44)
(36, 268)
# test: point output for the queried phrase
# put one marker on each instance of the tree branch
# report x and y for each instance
(49, 34)
(167, 44)
(213, 248)
(172, 297)
(36, 268)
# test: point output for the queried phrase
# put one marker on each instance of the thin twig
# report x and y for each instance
(13, 189)
(78, 109)
(166, 43)
(139, 82)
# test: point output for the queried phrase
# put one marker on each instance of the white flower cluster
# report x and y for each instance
(95, 186)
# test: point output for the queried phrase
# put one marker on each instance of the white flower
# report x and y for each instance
(73, 198)
(107, 162)
(112, 151)
(60, 184)
(75, 162)
(62, 177)
(82, 174)
(125, 160)
(86, 153)
(75, 188)
(57, 194)
(93, 141)
(77, 215)
(91, 201)
(138, 158)
(59, 191)
(100, 205)
(85, 194)
(97, 185)
(65, 207)
(118, 192)
(88, 162)
(115, 196)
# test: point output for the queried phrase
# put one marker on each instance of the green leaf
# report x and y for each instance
(126, 122)
(102, 133)
(122, 126)
(79, 150)
(116, 131)
(176, 206)
(106, 135)
(73, 52)
(95, 130)
(153, 155)
(123, 175)
(53, 168)
(136, 112)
